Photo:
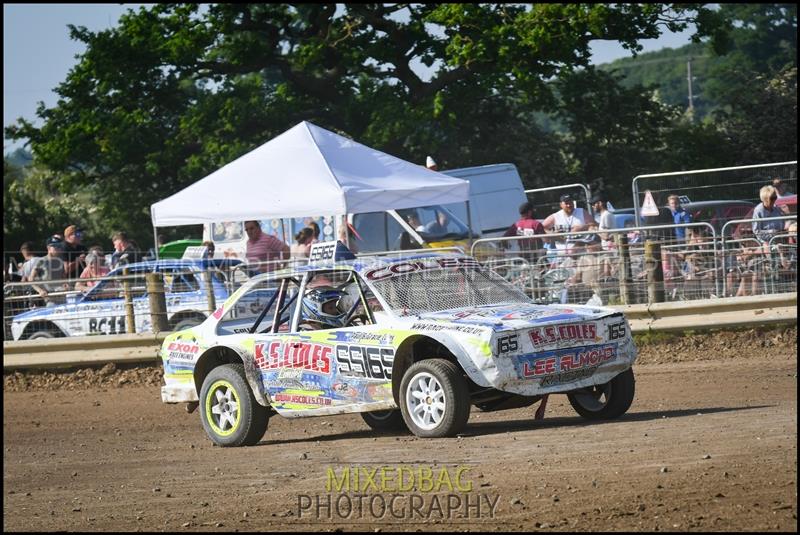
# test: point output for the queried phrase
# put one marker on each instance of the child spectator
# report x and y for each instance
(95, 267)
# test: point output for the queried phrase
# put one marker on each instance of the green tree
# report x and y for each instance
(176, 91)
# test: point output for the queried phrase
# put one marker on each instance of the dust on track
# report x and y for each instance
(709, 444)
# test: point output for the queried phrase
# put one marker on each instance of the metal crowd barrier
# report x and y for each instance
(143, 347)
(752, 262)
(549, 273)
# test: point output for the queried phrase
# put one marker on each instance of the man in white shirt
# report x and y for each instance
(605, 219)
(568, 219)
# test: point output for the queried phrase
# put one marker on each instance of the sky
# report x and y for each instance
(38, 53)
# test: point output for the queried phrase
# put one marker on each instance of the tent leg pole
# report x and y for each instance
(469, 224)
(155, 240)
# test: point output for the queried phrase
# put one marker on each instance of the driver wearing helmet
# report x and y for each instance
(324, 307)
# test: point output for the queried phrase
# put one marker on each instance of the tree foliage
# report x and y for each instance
(176, 91)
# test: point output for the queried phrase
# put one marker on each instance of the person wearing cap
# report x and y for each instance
(604, 218)
(74, 251)
(95, 267)
(568, 219)
(51, 268)
(431, 164)
(527, 225)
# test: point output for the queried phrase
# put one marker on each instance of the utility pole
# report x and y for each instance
(689, 78)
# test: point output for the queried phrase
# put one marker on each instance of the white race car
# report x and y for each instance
(408, 341)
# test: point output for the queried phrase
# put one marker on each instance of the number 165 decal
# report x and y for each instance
(506, 344)
(616, 330)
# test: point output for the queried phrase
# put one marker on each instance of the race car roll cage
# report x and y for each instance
(283, 305)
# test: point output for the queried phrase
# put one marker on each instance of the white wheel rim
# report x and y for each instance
(425, 401)
(224, 409)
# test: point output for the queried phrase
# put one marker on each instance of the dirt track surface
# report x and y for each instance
(710, 443)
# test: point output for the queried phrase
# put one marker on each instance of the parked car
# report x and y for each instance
(409, 341)
(715, 212)
(719, 212)
(101, 310)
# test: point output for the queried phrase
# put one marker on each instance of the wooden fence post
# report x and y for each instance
(130, 317)
(158, 302)
(624, 269)
(212, 300)
(655, 272)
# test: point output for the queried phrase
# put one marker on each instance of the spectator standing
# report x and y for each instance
(431, 164)
(605, 219)
(95, 267)
(304, 238)
(592, 269)
(50, 268)
(263, 247)
(124, 250)
(764, 230)
(679, 216)
(210, 249)
(74, 251)
(527, 225)
(348, 235)
(568, 219)
(26, 270)
(315, 228)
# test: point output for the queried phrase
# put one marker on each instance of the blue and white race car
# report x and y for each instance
(101, 310)
(410, 341)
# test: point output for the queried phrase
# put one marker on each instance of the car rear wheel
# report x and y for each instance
(391, 420)
(187, 323)
(230, 414)
(434, 398)
(606, 401)
(41, 335)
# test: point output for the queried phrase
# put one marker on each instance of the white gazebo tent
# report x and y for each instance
(305, 171)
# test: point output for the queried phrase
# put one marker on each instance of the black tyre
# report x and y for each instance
(391, 420)
(230, 413)
(187, 323)
(606, 401)
(434, 398)
(36, 335)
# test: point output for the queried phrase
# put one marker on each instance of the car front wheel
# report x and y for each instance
(434, 398)
(606, 401)
(230, 414)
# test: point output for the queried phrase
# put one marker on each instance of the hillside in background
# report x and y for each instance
(667, 71)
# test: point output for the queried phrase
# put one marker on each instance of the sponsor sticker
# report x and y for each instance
(561, 361)
(182, 351)
(294, 354)
(570, 332)
(421, 265)
(301, 398)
